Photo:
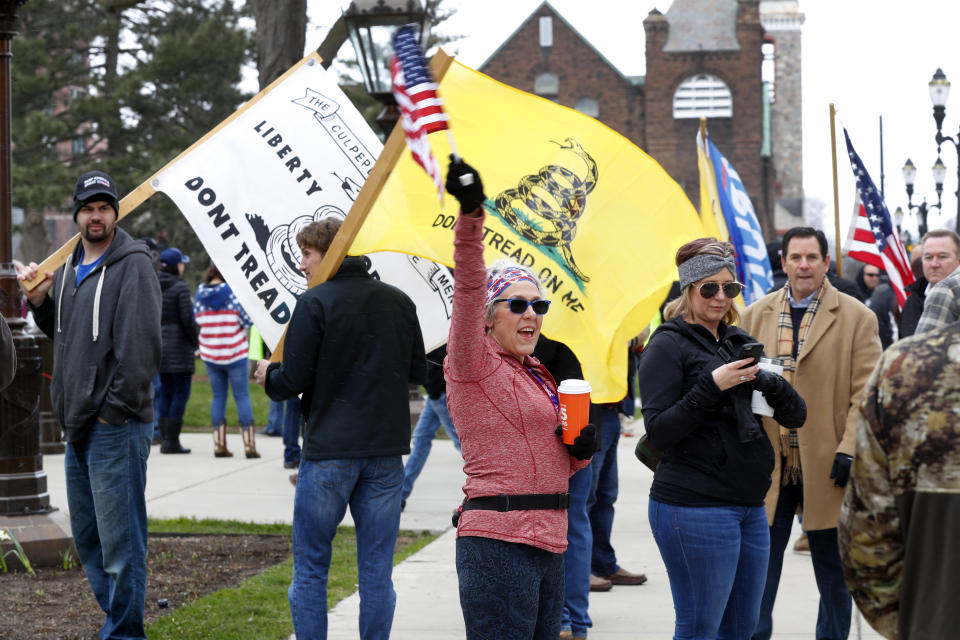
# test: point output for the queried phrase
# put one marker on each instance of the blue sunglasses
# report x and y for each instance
(519, 305)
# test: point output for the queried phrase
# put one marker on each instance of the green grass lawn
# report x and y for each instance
(258, 607)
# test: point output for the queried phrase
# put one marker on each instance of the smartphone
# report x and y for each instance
(751, 350)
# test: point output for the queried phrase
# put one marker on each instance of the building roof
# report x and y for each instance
(632, 80)
(702, 25)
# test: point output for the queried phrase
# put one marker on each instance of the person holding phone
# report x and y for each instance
(696, 377)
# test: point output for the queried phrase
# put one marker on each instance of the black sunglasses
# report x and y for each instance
(730, 289)
(519, 305)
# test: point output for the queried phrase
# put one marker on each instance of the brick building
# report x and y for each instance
(704, 58)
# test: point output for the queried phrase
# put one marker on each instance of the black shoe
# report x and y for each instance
(403, 505)
(271, 434)
(291, 465)
(170, 431)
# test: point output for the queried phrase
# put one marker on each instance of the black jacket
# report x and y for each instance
(913, 307)
(352, 348)
(106, 338)
(177, 326)
(694, 424)
(435, 383)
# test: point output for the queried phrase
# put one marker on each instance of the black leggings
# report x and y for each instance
(508, 590)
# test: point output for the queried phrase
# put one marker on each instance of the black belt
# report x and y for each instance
(519, 502)
(514, 502)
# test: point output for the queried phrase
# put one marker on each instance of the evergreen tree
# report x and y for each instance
(123, 86)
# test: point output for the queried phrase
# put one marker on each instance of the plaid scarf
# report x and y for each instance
(789, 445)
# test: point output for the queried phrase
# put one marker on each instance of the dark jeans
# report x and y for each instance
(836, 603)
(509, 590)
(716, 558)
(106, 476)
(174, 394)
(292, 424)
(603, 494)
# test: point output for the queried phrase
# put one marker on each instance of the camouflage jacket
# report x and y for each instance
(900, 523)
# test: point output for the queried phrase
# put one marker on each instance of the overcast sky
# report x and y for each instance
(871, 58)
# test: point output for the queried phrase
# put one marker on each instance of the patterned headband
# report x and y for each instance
(704, 265)
(502, 279)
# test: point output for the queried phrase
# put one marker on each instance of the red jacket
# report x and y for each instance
(503, 415)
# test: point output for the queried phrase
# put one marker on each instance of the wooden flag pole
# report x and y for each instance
(836, 194)
(136, 197)
(365, 199)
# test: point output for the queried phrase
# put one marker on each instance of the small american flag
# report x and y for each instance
(875, 239)
(421, 110)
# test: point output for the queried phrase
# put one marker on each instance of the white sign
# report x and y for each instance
(299, 154)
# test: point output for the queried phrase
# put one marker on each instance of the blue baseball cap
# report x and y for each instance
(173, 256)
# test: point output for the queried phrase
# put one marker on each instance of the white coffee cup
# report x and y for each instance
(758, 403)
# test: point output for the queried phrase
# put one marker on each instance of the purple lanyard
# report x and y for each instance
(553, 397)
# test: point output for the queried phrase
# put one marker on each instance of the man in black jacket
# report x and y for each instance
(104, 319)
(352, 348)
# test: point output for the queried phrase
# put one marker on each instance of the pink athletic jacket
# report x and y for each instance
(503, 415)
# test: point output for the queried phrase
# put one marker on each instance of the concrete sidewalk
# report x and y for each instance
(428, 603)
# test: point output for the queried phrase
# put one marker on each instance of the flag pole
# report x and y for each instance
(368, 195)
(836, 193)
(146, 189)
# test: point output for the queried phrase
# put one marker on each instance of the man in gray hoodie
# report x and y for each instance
(104, 319)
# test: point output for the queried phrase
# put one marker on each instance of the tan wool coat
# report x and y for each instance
(841, 349)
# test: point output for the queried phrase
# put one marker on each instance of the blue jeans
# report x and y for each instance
(174, 394)
(106, 476)
(603, 493)
(509, 590)
(576, 559)
(836, 603)
(371, 487)
(156, 401)
(433, 415)
(716, 559)
(292, 425)
(275, 418)
(236, 375)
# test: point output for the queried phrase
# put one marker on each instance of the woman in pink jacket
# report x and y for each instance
(512, 527)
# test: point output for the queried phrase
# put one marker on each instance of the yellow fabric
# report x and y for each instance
(600, 220)
(714, 224)
(255, 352)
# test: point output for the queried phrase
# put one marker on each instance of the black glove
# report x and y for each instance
(766, 382)
(840, 472)
(585, 444)
(463, 183)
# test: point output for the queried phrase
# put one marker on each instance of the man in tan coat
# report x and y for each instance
(829, 344)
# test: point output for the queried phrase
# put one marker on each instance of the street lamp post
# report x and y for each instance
(24, 501)
(939, 90)
(909, 178)
(370, 25)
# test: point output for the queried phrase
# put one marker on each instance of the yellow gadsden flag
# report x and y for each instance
(596, 218)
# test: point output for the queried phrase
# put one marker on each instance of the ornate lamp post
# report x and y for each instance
(939, 90)
(24, 502)
(370, 25)
(909, 178)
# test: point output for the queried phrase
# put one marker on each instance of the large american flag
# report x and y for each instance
(875, 238)
(421, 109)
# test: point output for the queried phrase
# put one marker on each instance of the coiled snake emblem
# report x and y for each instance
(551, 223)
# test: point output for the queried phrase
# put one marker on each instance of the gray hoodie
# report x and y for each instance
(106, 337)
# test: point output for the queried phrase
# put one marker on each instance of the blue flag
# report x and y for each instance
(753, 265)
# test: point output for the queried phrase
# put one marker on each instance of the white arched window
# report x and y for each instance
(702, 96)
(588, 106)
(546, 84)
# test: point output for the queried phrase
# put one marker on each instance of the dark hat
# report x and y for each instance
(95, 186)
(173, 256)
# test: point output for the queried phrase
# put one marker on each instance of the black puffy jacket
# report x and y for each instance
(694, 423)
(177, 327)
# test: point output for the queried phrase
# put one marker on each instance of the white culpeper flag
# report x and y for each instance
(298, 152)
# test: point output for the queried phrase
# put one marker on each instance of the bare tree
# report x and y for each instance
(281, 36)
